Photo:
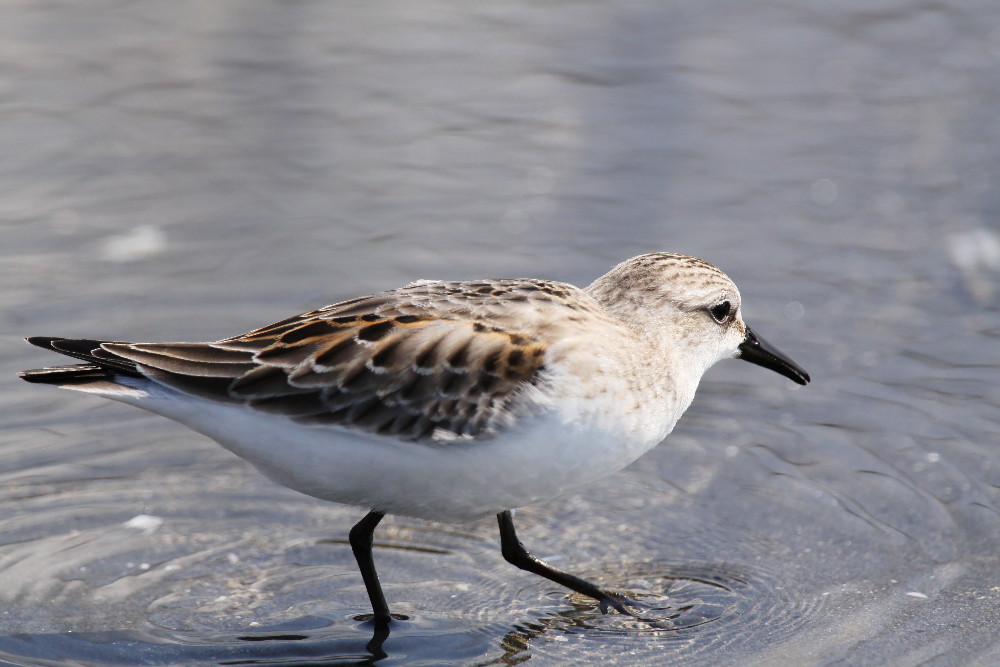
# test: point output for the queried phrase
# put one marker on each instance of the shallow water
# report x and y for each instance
(193, 171)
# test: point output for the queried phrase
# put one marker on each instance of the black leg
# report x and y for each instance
(361, 544)
(515, 554)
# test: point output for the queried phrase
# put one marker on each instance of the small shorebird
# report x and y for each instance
(444, 400)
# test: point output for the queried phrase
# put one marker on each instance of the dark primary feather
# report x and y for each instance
(85, 350)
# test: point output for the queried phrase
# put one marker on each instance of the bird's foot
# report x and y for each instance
(623, 604)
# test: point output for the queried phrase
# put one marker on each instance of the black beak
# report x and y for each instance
(758, 351)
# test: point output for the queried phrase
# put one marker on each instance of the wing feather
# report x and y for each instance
(425, 360)
(407, 376)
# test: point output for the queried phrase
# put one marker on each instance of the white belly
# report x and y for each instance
(539, 458)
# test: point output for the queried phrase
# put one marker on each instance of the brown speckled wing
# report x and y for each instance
(410, 363)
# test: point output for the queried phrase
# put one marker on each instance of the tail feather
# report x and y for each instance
(101, 364)
(65, 375)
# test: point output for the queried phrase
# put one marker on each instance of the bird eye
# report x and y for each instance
(720, 312)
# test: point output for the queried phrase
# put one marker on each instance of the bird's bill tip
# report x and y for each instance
(758, 351)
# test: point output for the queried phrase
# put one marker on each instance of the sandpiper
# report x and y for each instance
(447, 401)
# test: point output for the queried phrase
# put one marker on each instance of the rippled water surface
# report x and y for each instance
(190, 171)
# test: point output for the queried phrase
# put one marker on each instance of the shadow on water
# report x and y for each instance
(307, 640)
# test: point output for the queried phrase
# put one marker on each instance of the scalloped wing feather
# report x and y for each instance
(430, 359)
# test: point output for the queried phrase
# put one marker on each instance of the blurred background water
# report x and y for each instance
(189, 171)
